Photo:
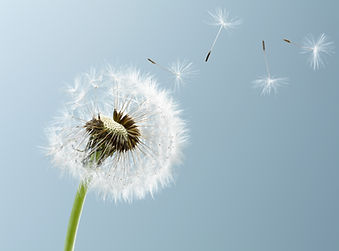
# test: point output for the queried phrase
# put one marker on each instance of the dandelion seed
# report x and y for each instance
(123, 136)
(181, 70)
(222, 19)
(268, 83)
(316, 49)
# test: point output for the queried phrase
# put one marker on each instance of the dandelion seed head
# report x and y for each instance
(221, 17)
(122, 133)
(317, 49)
(267, 84)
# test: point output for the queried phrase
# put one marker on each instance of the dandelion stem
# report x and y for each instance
(75, 216)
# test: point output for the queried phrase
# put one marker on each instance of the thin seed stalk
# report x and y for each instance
(75, 216)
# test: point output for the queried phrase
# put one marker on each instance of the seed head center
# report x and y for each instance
(115, 127)
(109, 135)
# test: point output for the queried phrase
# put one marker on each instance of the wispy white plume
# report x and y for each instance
(317, 49)
(221, 17)
(180, 70)
(267, 84)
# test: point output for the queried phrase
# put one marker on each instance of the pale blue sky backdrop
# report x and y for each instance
(260, 173)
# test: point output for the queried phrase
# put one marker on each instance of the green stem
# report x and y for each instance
(75, 216)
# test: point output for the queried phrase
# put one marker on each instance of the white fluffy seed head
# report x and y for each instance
(123, 175)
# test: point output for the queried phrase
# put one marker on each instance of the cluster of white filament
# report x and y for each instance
(317, 49)
(130, 174)
(267, 84)
(181, 70)
(221, 17)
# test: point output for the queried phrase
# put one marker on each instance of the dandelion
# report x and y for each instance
(180, 70)
(222, 19)
(268, 83)
(316, 49)
(120, 137)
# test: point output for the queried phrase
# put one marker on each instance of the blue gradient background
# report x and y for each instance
(260, 173)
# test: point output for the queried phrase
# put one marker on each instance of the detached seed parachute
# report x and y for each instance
(222, 19)
(268, 83)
